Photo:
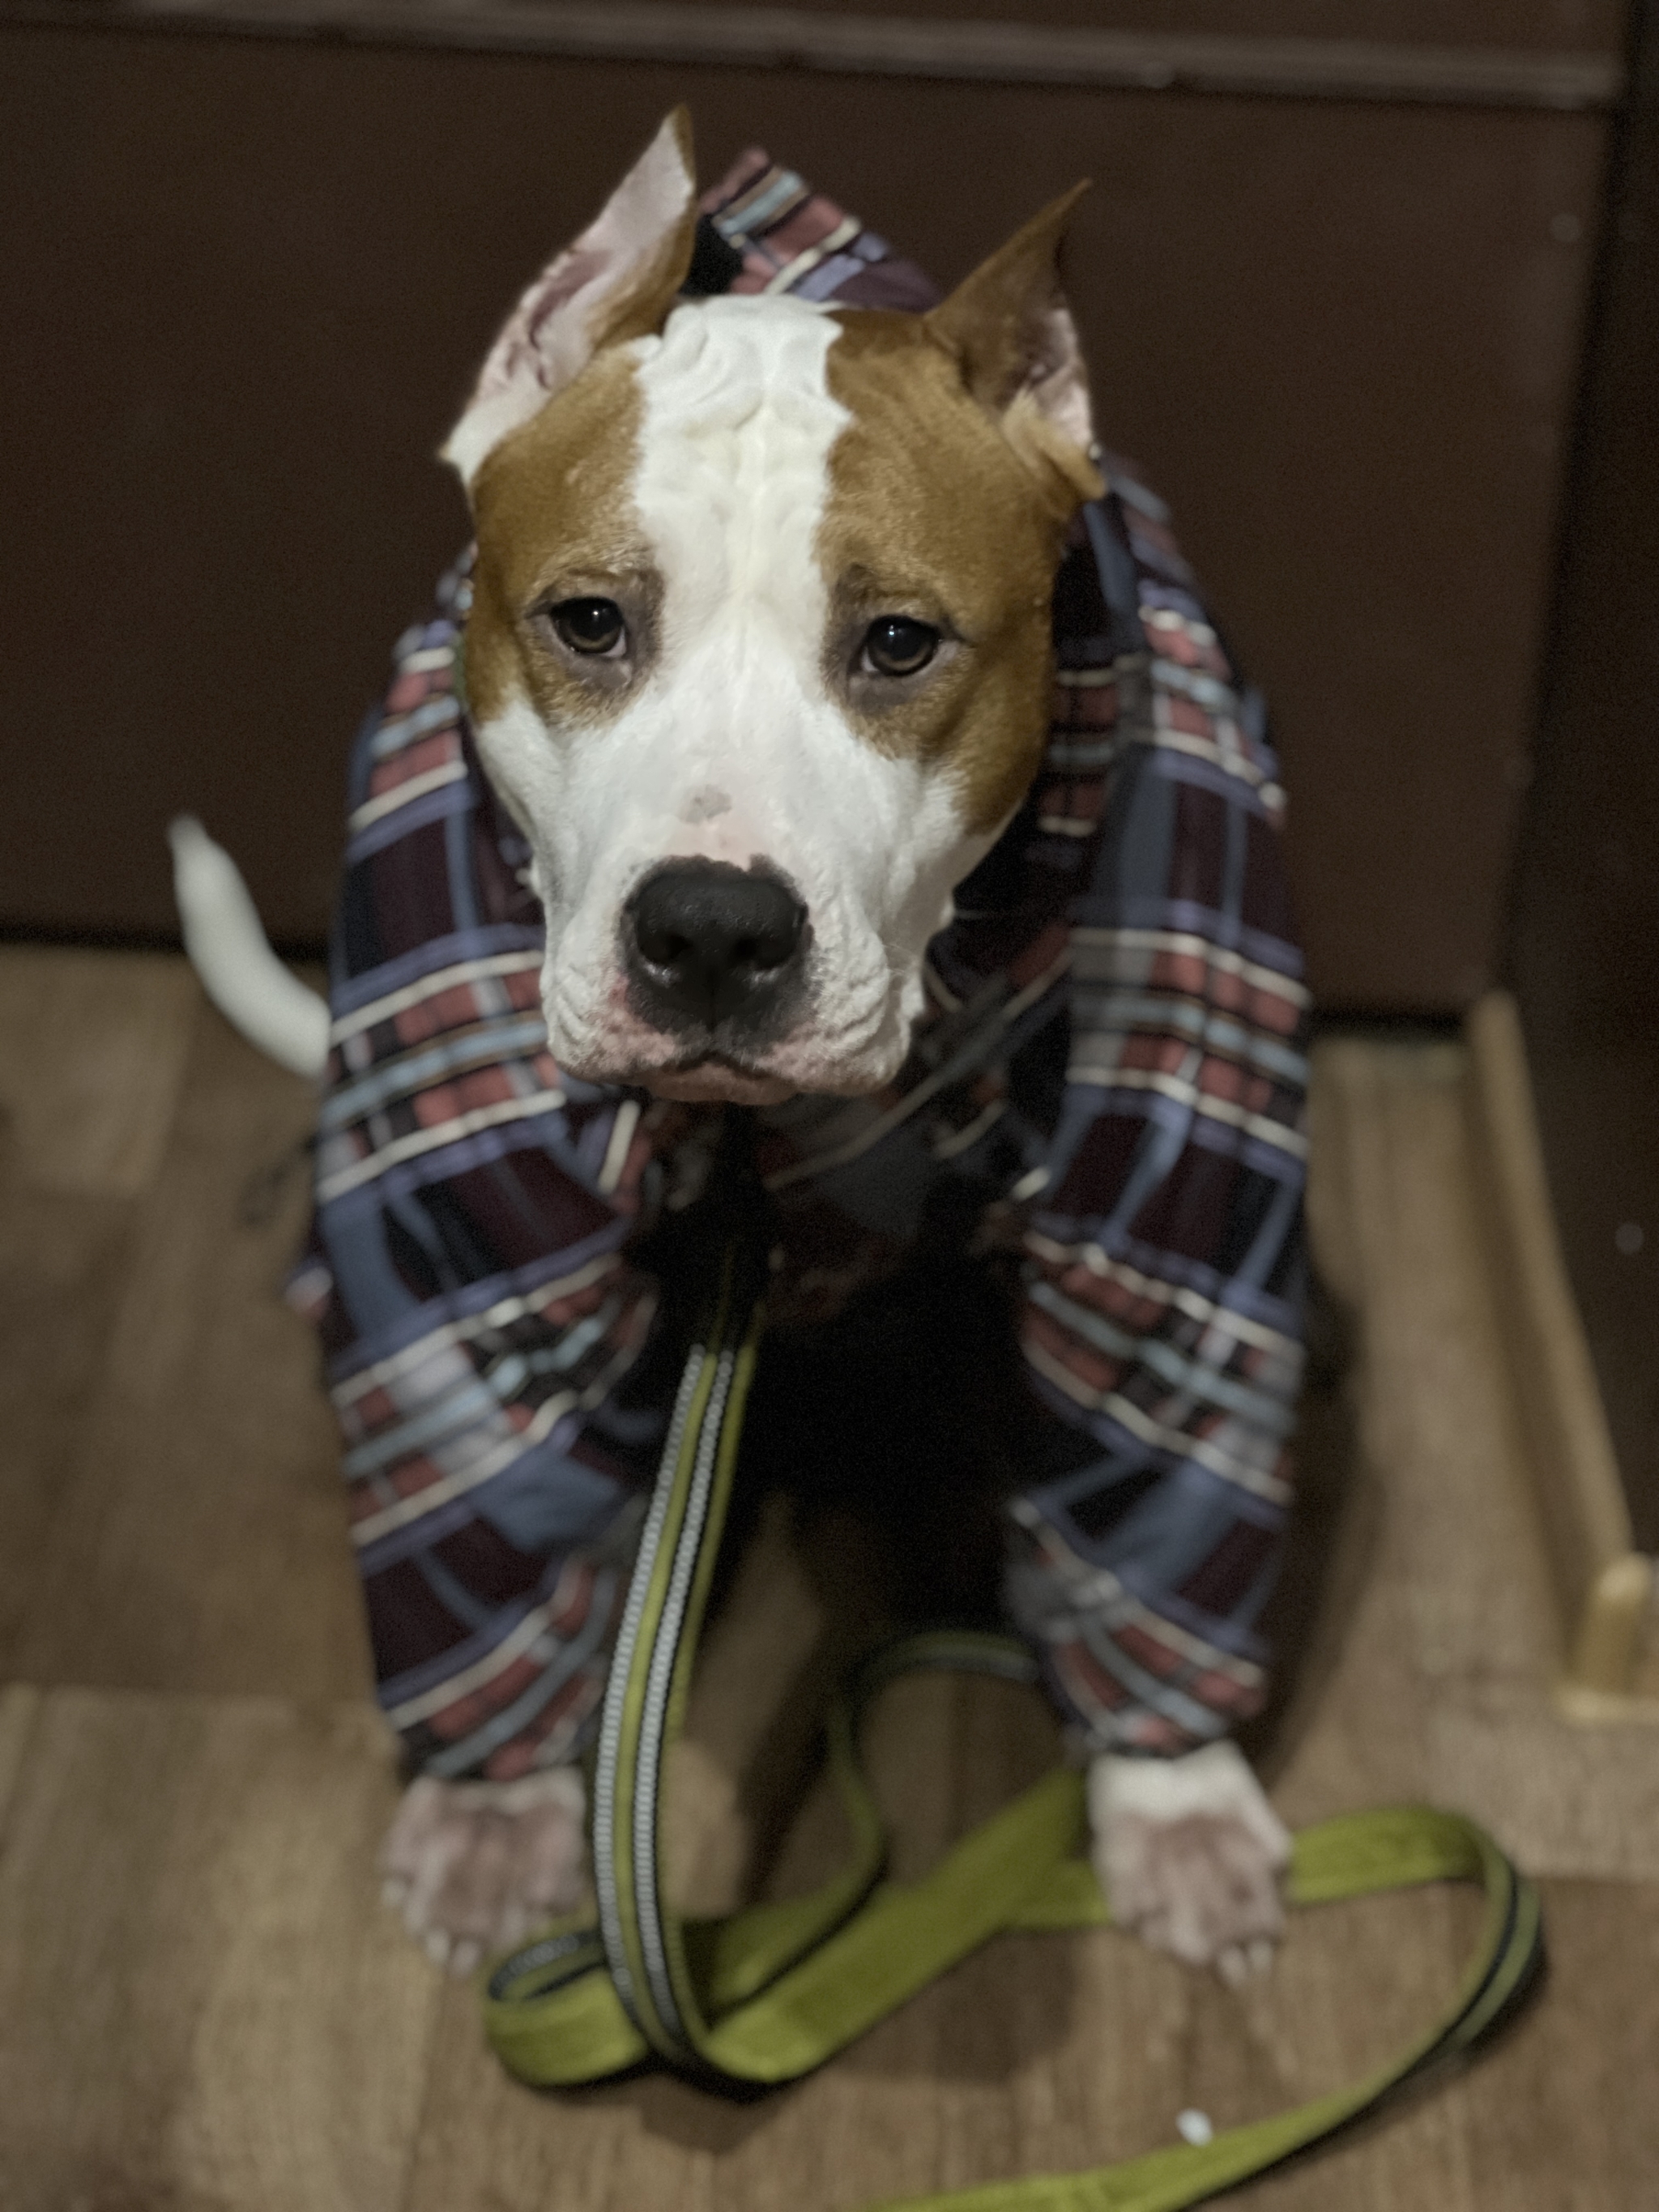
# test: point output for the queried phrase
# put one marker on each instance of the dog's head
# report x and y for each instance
(759, 647)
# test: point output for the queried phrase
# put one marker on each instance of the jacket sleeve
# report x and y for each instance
(488, 1340)
(1162, 1320)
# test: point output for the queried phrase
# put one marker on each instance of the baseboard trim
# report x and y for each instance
(1604, 1584)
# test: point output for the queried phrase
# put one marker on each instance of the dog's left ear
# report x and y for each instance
(617, 281)
(1011, 332)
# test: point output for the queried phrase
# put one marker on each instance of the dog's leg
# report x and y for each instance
(1190, 1853)
(473, 1867)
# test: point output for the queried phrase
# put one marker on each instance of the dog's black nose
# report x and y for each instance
(715, 941)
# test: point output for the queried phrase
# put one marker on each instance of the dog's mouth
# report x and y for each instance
(714, 1079)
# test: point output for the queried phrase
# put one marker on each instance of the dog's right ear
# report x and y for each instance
(617, 281)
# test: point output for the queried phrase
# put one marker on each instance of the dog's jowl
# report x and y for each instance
(825, 741)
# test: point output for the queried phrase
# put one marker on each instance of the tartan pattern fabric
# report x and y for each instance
(787, 237)
(1111, 1054)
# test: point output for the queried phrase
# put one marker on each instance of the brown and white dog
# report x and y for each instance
(758, 659)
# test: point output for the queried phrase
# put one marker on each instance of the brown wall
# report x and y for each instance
(1585, 949)
(246, 282)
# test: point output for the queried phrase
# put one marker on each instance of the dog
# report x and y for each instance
(759, 656)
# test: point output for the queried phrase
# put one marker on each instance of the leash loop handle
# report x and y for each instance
(764, 1995)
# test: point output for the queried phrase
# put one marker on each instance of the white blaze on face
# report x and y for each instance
(733, 747)
(689, 485)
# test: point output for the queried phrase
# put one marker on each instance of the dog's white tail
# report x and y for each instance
(229, 951)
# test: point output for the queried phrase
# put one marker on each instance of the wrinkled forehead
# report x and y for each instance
(923, 485)
(558, 492)
(850, 429)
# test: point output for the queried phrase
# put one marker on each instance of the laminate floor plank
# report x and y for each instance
(93, 1047)
(1561, 2117)
(201, 1543)
(20, 1704)
(1443, 1686)
(1557, 2118)
(1355, 1984)
(201, 2006)
(62, 1273)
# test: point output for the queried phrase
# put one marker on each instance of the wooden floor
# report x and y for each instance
(203, 2008)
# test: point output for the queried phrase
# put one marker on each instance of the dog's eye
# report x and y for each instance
(894, 645)
(593, 626)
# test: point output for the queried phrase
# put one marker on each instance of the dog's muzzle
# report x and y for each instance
(716, 955)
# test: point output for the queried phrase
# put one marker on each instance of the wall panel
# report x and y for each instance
(247, 280)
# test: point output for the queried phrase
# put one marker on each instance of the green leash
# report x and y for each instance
(765, 1994)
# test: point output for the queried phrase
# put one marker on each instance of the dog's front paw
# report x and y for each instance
(473, 1867)
(1189, 1853)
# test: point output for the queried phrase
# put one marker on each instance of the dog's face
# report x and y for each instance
(759, 648)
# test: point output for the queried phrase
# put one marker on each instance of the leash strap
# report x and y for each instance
(765, 1994)
(645, 1691)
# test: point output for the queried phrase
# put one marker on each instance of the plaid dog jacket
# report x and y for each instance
(1111, 1066)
